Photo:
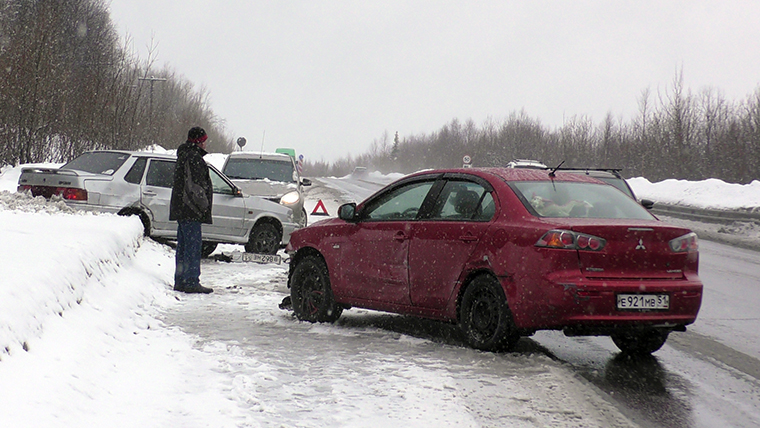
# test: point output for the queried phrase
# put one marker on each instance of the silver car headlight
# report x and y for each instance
(290, 198)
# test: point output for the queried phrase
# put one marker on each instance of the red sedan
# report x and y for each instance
(502, 253)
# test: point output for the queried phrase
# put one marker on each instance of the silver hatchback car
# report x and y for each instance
(273, 176)
(140, 183)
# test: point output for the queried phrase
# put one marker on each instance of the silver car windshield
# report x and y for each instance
(578, 200)
(259, 169)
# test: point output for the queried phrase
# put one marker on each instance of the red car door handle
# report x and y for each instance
(400, 236)
(468, 238)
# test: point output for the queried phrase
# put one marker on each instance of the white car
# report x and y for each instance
(140, 183)
(273, 176)
(526, 163)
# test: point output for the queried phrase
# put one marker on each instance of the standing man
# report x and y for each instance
(192, 196)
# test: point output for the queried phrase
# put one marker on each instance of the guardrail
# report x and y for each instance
(707, 215)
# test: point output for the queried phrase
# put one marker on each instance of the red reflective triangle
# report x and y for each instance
(321, 205)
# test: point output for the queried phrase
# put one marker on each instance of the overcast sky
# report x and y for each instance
(329, 77)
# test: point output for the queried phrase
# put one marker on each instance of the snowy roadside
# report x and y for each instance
(708, 194)
(80, 340)
(711, 193)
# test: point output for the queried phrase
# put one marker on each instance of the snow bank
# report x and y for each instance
(80, 301)
(711, 193)
(81, 250)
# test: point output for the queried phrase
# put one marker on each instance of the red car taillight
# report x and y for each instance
(685, 243)
(72, 194)
(68, 193)
(570, 240)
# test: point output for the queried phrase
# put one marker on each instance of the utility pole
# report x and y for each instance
(152, 80)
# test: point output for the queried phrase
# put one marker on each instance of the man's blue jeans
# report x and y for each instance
(187, 271)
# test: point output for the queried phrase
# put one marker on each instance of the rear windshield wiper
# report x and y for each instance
(551, 173)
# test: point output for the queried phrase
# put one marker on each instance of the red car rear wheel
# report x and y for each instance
(485, 318)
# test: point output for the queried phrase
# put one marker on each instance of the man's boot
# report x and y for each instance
(198, 289)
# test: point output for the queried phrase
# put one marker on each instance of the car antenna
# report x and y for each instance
(551, 173)
(261, 152)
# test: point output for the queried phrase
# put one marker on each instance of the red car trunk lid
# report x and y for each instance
(634, 252)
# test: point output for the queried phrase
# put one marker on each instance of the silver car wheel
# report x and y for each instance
(264, 239)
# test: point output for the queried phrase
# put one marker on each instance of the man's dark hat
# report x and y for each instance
(196, 135)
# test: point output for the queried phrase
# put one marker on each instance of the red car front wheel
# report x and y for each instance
(310, 291)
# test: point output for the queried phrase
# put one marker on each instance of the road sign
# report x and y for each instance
(467, 159)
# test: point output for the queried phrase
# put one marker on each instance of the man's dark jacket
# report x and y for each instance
(192, 153)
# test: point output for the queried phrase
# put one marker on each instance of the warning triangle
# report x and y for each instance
(321, 205)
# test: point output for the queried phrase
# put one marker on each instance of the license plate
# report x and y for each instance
(643, 301)
(238, 256)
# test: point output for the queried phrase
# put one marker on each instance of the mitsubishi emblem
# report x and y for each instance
(641, 245)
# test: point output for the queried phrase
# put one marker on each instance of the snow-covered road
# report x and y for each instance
(371, 369)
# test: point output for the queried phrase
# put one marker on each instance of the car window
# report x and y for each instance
(160, 173)
(463, 200)
(619, 183)
(98, 162)
(565, 200)
(402, 203)
(220, 186)
(136, 172)
(259, 169)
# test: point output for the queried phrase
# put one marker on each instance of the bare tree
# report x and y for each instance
(677, 138)
(67, 85)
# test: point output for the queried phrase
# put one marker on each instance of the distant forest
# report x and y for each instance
(67, 85)
(675, 134)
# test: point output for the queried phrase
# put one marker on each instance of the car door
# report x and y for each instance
(444, 239)
(378, 268)
(228, 210)
(156, 193)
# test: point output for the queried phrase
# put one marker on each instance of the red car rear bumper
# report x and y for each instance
(591, 304)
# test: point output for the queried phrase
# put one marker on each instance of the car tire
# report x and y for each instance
(207, 248)
(310, 291)
(146, 223)
(142, 216)
(305, 217)
(485, 318)
(640, 342)
(264, 239)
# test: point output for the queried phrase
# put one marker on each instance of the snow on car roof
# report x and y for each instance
(137, 153)
(264, 155)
